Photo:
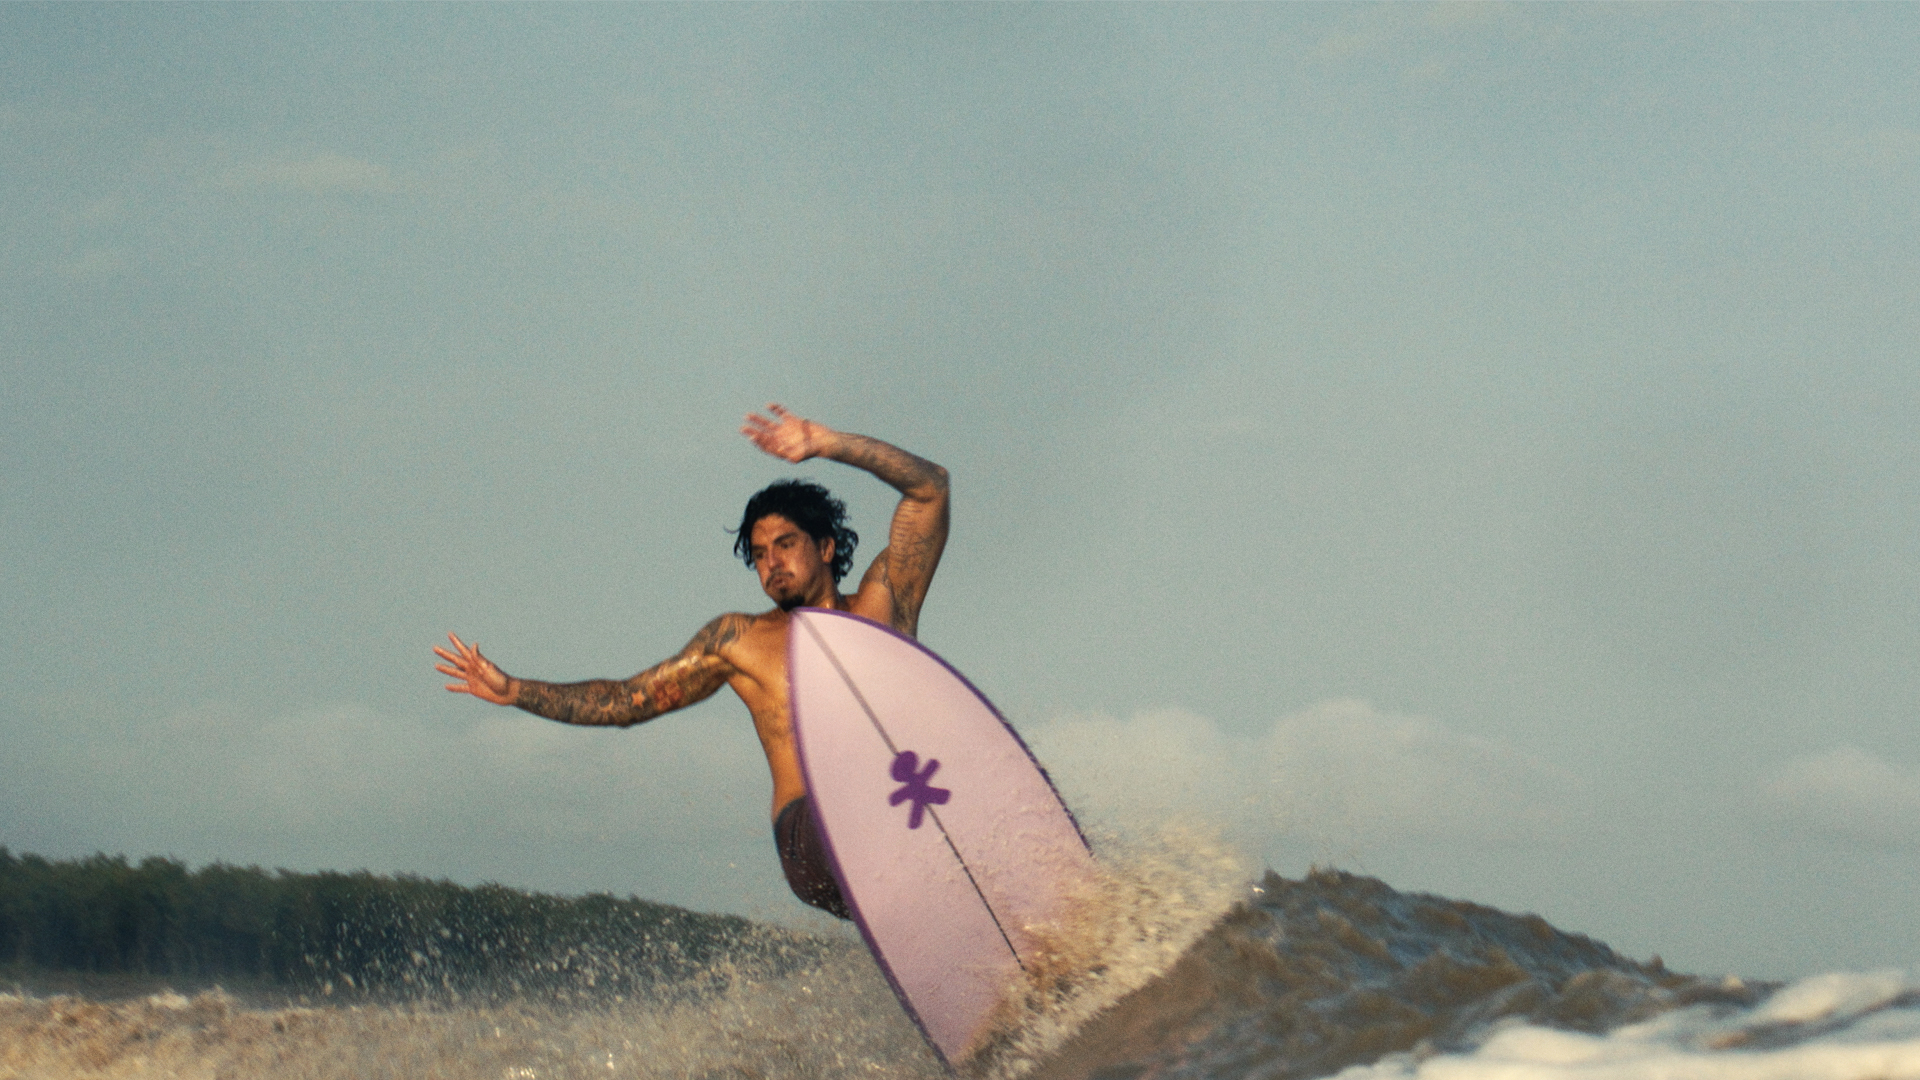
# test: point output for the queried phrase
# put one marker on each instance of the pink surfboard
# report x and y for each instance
(948, 840)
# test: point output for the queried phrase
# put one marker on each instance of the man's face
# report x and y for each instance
(795, 569)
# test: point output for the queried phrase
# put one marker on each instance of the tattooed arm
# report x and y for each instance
(898, 579)
(692, 675)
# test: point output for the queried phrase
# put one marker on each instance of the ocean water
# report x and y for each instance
(1176, 966)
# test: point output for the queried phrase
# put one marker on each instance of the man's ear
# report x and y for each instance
(826, 551)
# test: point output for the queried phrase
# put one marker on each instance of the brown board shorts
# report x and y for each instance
(804, 858)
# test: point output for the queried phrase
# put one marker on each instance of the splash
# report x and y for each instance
(775, 1004)
(832, 1019)
(1152, 897)
(1171, 968)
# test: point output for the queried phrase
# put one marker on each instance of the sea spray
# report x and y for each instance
(1174, 968)
(1153, 895)
(775, 1003)
(834, 1019)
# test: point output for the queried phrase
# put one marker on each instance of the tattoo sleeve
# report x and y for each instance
(911, 559)
(918, 533)
(692, 675)
(911, 475)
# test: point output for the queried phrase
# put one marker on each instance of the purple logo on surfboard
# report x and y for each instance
(914, 785)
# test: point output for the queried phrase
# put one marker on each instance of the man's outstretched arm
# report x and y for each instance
(918, 533)
(692, 675)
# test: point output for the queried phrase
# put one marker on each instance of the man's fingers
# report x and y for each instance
(784, 435)
(756, 422)
(475, 671)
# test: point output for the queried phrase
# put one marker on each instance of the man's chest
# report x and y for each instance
(759, 658)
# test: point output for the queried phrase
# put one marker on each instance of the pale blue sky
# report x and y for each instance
(1542, 377)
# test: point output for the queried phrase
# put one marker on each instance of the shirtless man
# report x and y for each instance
(794, 533)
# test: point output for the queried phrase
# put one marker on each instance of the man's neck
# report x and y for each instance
(833, 601)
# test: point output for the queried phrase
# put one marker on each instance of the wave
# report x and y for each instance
(1340, 975)
(1175, 969)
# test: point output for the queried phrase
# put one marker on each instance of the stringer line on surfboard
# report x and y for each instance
(854, 688)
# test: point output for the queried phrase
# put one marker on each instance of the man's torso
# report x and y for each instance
(758, 656)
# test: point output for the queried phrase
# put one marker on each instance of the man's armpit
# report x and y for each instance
(914, 561)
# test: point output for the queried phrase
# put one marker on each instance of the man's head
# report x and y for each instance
(795, 534)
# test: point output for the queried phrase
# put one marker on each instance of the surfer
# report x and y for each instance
(795, 534)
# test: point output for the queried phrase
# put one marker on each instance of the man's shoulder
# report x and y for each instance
(749, 643)
(741, 626)
(723, 631)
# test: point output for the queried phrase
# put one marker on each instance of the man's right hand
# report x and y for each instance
(785, 435)
(476, 673)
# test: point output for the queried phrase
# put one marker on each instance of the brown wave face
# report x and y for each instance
(1300, 979)
(1309, 977)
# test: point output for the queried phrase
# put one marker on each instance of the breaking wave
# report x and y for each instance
(1174, 967)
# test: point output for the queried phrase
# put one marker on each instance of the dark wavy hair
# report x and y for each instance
(807, 505)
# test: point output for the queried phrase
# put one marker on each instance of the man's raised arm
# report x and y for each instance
(692, 675)
(918, 535)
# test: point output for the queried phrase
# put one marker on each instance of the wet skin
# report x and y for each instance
(749, 652)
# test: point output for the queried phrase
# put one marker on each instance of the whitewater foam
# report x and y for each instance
(1837, 1026)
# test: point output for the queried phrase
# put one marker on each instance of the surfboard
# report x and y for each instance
(949, 842)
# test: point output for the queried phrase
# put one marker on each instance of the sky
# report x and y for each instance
(1477, 446)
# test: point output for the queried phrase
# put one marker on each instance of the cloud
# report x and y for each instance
(322, 172)
(1412, 777)
(1339, 773)
(1849, 792)
(676, 810)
